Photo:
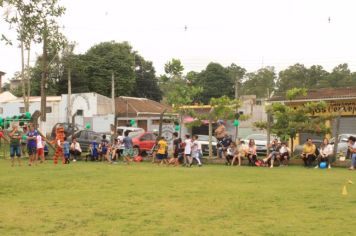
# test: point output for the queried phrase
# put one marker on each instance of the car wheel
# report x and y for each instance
(136, 151)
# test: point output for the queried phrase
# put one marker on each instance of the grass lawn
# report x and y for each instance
(145, 199)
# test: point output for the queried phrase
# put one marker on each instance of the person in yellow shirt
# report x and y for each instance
(162, 152)
(308, 154)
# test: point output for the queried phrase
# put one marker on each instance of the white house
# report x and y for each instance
(91, 108)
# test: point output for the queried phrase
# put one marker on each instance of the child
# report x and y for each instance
(239, 153)
(40, 148)
(188, 151)
(66, 151)
(94, 151)
(162, 151)
(231, 150)
(196, 150)
(176, 149)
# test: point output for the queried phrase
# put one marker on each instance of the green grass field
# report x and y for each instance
(145, 199)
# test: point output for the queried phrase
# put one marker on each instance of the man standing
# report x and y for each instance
(31, 144)
(15, 136)
(128, 147)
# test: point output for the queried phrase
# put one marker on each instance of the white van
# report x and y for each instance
(123, 129)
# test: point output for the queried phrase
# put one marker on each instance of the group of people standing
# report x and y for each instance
(184, 152)
(34, 142)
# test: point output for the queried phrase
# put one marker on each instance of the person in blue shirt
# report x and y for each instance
(31, 144)
(66, 151)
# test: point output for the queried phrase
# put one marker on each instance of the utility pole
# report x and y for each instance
(113, 92)
(44, 80)
(268, 125)
(236, 97)
(337, 130)
(69, 97)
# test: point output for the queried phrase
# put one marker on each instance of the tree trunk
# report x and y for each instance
(210, 138)
(28, 76)
(69, 97)
(211, 133)
(44, 78)
(23, 77)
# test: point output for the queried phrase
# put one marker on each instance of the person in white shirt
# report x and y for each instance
(187, 151)
(352, 149)
(40, 148)
(196, 150)
(284, 154)
(325, 153)
(75, 149)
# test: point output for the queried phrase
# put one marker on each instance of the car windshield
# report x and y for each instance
(135, 134)
(205, 138)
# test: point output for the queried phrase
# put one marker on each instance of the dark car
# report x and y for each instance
(86, 137)
(69, 129)
(298, 149)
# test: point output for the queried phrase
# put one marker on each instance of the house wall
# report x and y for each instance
(95, 108)
(13, 108)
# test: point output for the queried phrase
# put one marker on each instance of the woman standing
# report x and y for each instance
(326, 152)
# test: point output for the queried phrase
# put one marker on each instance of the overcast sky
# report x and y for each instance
(251, 33)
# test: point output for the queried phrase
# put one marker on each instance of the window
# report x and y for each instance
(48, 109)
(22, 110)
(80, 112)
(258, 102)
(1, 110)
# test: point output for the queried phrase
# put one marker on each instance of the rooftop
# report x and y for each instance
(321, 94)
(133, 106)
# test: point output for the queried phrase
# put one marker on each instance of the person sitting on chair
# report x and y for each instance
(251, 152)
(284, 154)
(75, 149)
(325, 154)
(308, 154)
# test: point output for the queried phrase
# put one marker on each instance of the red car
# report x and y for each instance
(143, 142)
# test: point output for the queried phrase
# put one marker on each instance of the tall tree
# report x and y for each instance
(341, 76)
(174, 69)
(146, 84)
(236, 74)
(260, 82)
(295, 76)
(178, 90)
(215, 82)
(106, 58)
(21, 17)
